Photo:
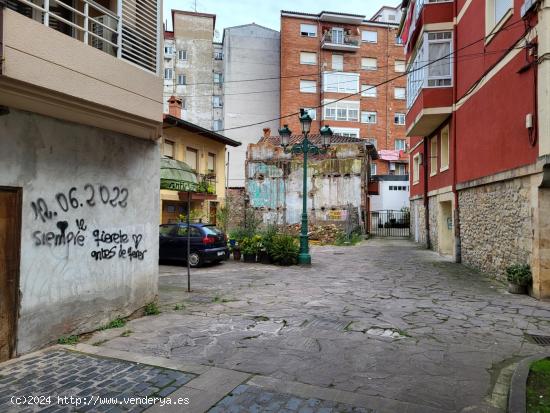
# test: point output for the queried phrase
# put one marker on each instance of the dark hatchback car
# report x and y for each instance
(208, 243)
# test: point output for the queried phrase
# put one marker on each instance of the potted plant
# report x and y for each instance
(519, 278)
(264, 256)
(236, 252)
(250, 246)
(285, 249)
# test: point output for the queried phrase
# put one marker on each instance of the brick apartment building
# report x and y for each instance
(478, 118)
(329, 65)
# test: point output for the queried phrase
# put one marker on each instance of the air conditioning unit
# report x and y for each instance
(104, 34)
(392, 166)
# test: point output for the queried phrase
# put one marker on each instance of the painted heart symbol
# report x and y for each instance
(137, 239)
(62, 225)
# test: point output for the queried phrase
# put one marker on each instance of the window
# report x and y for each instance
(341, 82)
(400, 144)
(181, 80)
(211, 163)
(217, 125)
(312, 112)
(346, 132)
(372, 141)
(399, 66)
(337, 35)
(433, 155)
(168, 50)
(218, 78)
(368, 117)
(168, 73)
(192, 158)
(372, 168)
(368, 91)
(369, 36)
(399, 93)
(444, 148)
(342, 110)
(308, 30)
(401, 169)
(308, 86)
(338, 62)
(218, 55)
(217, 101)
(398, 41)
(416, 168)
(308, 58)
(399, 118)
(182, 54)
(369, 63)
(495, 12)
(169, 149)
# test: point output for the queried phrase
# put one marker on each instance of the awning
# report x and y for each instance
(177, 176)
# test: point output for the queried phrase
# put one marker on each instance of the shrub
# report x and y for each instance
(285, 249)
(251, 245)
(238, 234)
(519, 274)
(267, 238)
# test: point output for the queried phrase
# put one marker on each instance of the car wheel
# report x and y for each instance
(194, 260)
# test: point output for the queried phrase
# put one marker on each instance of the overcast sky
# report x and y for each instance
(267, 12)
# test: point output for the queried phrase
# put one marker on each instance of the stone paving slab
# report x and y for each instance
(95, 381)
(253, 399)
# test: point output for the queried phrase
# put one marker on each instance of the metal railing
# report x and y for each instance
(389, 223)
(131, 32)
(345, 39)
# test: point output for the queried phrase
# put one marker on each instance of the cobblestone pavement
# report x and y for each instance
(253, 399)
(384, 319)
(66, 373)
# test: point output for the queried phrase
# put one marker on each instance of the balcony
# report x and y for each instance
(85, 62)
(427, 12)
(336, 39)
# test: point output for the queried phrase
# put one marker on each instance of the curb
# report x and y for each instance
(517, 402)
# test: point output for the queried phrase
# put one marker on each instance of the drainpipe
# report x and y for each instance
(458, 245)
(426, 200)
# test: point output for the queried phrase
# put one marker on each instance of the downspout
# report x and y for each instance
(458, 245)
(426, 200)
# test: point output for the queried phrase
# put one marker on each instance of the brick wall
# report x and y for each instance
(385, 51)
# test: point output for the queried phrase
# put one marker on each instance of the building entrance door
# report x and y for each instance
(445, 228)
(10, 244)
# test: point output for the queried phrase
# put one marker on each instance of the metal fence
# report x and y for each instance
(389, 223)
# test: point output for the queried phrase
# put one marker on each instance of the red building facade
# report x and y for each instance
(477, 117)
(331, 64)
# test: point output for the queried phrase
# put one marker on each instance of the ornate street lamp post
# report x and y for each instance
(305, 147)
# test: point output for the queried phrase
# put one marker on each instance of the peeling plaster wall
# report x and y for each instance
(75, 283)
(275, 183)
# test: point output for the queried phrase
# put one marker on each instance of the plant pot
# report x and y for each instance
(249, 257)
(237, 255)
(264, 257)
(232, 243)
(517, 289)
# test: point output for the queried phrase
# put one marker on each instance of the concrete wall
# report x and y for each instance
(77, 282)
(250, 52)
(48, 72)
(275, 183)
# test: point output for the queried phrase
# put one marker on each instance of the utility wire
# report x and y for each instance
(380, 84)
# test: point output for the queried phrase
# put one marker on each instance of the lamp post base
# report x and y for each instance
(304, 258)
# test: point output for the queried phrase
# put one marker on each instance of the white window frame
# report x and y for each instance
(338, 68)
(178, 77)
(398, 64)
(348, 132)
(494, 21)
(397, 116)
(169, 50)
(342, 110)
(404, 144)
(367, 117)
(307, 32)
(400, 96)
(373, 168)
(369, 68)
(308, 89)
(308, 61)
(444, 154)
(416, 169)
(168, 73)
(218, 78)
(401, 167)
(217, 122)
(180, 53)
(365, 36)
(312, 112)
(217, 101)
(340, 82)
(433, 155)
(369, 91)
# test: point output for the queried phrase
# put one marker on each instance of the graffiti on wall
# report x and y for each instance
(106, 244)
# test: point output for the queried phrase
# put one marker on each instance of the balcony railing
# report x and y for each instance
(130, 32)
(339, 39)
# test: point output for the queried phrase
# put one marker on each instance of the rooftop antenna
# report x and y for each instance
(195, 5)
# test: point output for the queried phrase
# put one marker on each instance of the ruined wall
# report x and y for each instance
(418, 221)
(89, 239)
(275, 183)
(235, 197)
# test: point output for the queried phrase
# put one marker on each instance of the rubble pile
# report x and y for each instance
(319, 234)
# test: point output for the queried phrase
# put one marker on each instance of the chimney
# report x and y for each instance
(174, 106)
(267, 133)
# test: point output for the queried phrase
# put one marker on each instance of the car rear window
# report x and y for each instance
(212, 230)
(165, 229)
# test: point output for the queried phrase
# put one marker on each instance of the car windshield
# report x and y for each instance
(212, 230)
(165, 229)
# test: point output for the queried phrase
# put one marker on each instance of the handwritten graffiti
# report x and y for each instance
(113, 244)
(90, 196)
(59, 238)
